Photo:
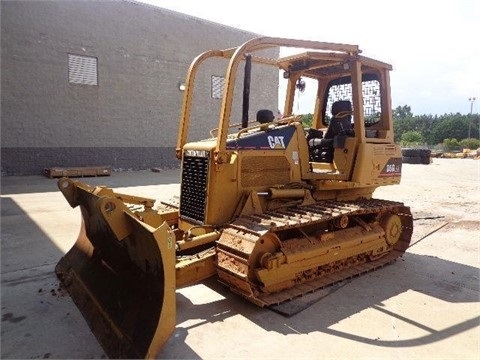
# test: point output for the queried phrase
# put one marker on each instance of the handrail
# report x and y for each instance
(189, 87)
(229, 126)
(249, 47)
(188, 96)
(236, 55)
(286, 120)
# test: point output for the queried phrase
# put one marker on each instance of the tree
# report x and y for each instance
(473, 121)
(402, 126)
(402, 112)
(470, 143)
(435, 129)
(307, 120)
(449, 126)
(451, 144)
(424, 125)
(411, 138)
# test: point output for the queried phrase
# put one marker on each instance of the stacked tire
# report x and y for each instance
(416, 156)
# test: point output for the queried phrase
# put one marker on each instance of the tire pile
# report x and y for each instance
(416, 156)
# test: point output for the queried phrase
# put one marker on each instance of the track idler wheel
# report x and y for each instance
(392, 224)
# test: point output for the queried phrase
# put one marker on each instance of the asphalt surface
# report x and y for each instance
(424, 306)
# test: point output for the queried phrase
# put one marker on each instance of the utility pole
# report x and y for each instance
(472, 100)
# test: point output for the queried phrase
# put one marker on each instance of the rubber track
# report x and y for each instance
(254, 226)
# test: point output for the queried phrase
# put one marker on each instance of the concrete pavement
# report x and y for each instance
(424, 306)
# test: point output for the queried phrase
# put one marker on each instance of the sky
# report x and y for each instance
(433, 46)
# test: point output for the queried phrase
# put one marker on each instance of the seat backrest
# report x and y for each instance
(265, 116)
(341, 108)
(341, 122)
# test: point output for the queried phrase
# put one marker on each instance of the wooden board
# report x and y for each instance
(56, 172)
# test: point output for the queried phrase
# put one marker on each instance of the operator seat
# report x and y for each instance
(322, 150)
(341, 123)
(265, 116)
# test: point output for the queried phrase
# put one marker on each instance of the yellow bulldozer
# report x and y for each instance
(273, 208)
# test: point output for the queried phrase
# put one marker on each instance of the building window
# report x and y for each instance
(82, 70)
(218, 83)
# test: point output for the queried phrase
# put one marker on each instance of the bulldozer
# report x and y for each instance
(275, 207)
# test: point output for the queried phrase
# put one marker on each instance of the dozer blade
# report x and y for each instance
(120, 273)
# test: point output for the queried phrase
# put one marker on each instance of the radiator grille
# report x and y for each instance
(194, 187)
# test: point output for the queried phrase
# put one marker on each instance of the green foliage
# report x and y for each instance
(435, 129)
(307, 120)
(402, 126)
(448, 127)
(470, 143)
(402, 112)
(412, 138)
(451, 145)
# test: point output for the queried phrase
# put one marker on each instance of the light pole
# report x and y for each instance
(472, 100)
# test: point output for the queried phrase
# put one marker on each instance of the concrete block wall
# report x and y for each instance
(130, 119)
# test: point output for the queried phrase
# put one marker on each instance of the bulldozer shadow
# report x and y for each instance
(378, 299)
